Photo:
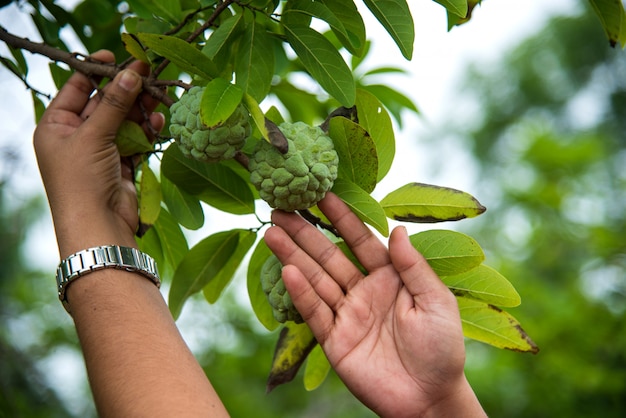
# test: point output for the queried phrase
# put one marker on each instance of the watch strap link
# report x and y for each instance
(98, 258)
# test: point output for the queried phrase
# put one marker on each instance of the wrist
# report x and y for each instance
(461, 402)
(85, 229)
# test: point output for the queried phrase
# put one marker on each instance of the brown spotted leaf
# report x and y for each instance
(294, 344)
(491, 325)
(424, 203)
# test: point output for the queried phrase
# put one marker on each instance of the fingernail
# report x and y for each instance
(128, 80)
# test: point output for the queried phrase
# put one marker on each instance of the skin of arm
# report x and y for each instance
(137, 362)
(394, 335)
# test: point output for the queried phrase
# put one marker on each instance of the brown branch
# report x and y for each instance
(242, 159)
(78, 62)
(306, 214)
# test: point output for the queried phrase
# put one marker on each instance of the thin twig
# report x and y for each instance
(78, 62)
(306, 214)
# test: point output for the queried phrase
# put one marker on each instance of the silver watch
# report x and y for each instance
(105, 256)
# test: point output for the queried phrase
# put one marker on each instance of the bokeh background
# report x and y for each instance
(524, 107)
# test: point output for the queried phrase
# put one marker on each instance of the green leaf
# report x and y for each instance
(358, 161)
(223, 37)
(448, 252)
(149, 195)
(323, 62)
(485, 284)
(254, 62)
(165, 242)
(393, 100)
(219, 100)
(424, 203)
(131, 139)
(316, 369)
(216, 184)
(395, 16)
(213, 290)
(185, 56)
(258, 299)
(347, 12)
(303, 105)
(59, 75)
(294, 344)
(613, 19)
(352, 40)
(491, 325)
(458, 7)
(375, 119)
(201, 264)
(185, 208)
(168, 9)
(256, 114)
(362, 204)
(134, 47)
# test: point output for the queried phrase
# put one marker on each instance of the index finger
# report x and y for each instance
(364, 244)
(75, 93)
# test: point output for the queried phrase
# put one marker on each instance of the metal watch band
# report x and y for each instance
(98, 258)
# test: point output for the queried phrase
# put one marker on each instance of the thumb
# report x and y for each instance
(418, 277)
(117, 100)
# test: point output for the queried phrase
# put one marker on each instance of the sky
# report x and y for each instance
(439, 60)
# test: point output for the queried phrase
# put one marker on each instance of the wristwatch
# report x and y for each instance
(98, 258)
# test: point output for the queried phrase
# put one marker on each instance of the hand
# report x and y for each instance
(89, 187)
(394, 335)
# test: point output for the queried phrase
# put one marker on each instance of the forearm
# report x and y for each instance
(137, 362)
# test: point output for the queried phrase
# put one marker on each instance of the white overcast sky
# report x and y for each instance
(439, 59)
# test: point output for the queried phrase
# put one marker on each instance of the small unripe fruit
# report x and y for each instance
(300, 178)
(203, 143)
(277, 295)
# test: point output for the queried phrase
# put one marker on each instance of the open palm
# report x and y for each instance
(394, 335)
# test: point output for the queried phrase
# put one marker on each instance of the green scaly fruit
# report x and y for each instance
(300, 178)
(203, 143)
(277, 295)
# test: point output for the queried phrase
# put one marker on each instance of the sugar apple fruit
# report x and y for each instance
(300, 178)
(198, 141)
(274, 288)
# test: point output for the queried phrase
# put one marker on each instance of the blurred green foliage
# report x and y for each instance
(548, 133)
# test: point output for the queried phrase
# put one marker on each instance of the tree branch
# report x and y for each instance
(78, 62)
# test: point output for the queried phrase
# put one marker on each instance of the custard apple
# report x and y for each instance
(274, 288)
(198, 141)
(300, 178)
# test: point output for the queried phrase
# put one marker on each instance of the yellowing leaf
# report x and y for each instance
(485, 284)
(316, 370)
(423, 203)
(613, 19)
(134, 47)
(149, 196)
(294, 344)
(448, 252)
(493, 326)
